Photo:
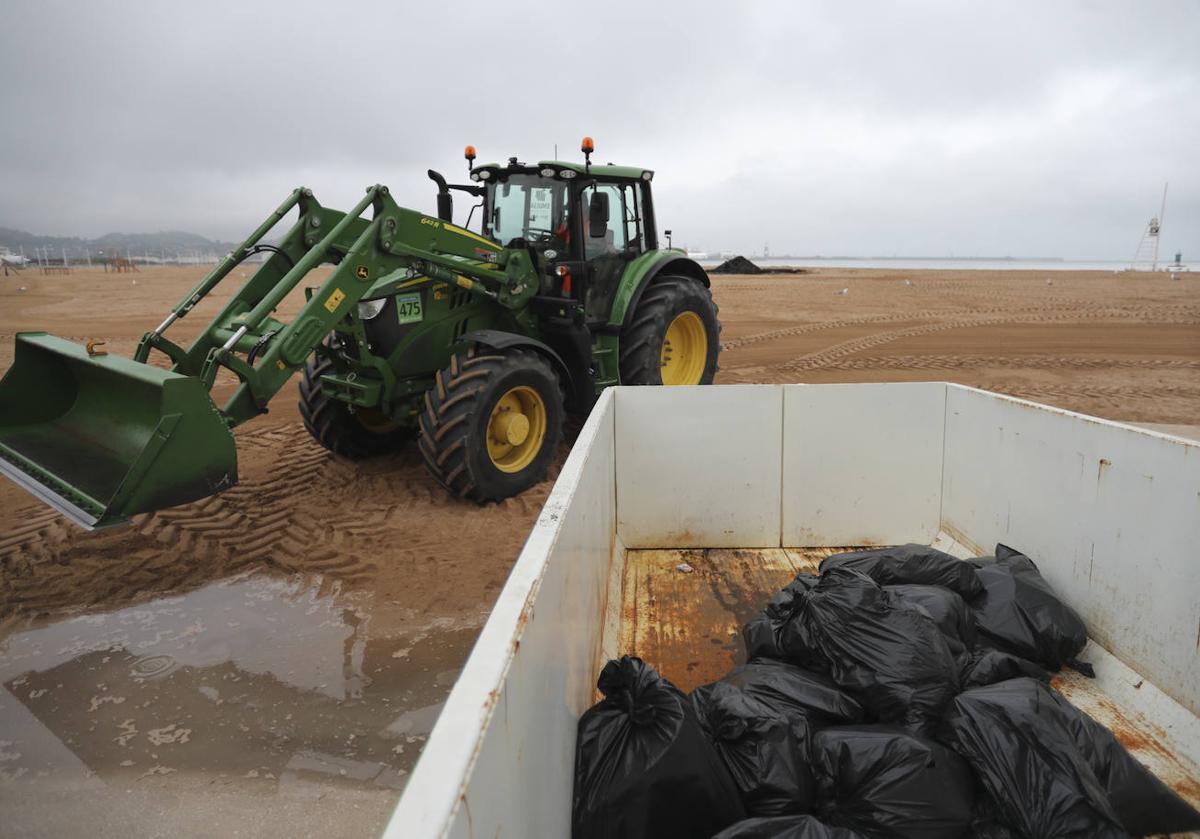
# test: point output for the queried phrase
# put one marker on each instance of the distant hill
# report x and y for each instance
(168, 242)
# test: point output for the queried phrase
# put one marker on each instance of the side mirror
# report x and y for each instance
(598, 215)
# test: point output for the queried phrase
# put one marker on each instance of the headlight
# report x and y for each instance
(371, 308)
(547, 172)
(567, 173)
(484, 174)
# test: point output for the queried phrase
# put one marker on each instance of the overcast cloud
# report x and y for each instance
(1034, 129)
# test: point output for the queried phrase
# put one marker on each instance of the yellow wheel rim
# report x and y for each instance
(516, 429)
(684, 351)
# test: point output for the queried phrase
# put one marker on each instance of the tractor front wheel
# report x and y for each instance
(354, 433)
(491, 423)
(673, 337)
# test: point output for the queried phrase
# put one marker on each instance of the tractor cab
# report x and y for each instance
(584, 223)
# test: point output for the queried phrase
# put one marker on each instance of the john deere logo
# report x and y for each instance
(361, 272)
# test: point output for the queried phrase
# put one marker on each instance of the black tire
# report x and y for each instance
(458, 409)
(335, 426)
(643, 335)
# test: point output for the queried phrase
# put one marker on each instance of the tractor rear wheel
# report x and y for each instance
(354, 433)
(492, 422)
(673, 337)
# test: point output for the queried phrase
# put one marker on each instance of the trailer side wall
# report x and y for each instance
(499, 762)
(1110, 513)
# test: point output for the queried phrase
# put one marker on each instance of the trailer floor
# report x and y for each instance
(682, 611)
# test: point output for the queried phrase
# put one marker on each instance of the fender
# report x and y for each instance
(500, 340)
(640, 273)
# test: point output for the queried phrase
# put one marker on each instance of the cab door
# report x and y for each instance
(613, 235)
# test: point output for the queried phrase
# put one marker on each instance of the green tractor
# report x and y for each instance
(473, 344)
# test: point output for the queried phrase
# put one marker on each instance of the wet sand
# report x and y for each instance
(270, 660)
(277, 697)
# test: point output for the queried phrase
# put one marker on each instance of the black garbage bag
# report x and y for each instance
(785, 827)
(985, 824)
(1020, 613)
(883, 781)
(949, 611)
(765, 752)
(887, 654)
(1017, 736)
(813, 699)
(643, 765)
(1143, 803)
(991, 830)
(916, 564)
(986, 667)
(770, 632)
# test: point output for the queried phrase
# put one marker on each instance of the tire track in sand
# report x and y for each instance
(1026, 362)
(1165, 313)
(831, 355)
(1093, 392)
(297, 509)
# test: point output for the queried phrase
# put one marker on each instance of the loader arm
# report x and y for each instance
(102, 438)
(396, 245)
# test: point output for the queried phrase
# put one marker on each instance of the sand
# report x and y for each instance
(404, 573)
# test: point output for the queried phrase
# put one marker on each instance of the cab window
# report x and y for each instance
(525, 207)
(624, 233)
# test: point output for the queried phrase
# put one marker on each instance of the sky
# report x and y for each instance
(834, 128)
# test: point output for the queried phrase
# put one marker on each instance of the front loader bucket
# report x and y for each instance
(101, 437)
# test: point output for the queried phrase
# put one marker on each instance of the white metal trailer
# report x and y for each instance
(745, 484)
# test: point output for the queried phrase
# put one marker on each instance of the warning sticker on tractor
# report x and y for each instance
(408, 308)
(361, 272)
(335, 299)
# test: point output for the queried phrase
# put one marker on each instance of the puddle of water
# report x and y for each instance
(416, 723)
(278, 686)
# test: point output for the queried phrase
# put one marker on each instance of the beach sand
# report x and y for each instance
(204, 613)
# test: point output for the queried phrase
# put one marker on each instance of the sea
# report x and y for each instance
(946, 264)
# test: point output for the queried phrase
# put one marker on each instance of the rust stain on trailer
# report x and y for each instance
(807, 560)
(1144, 740)
(523, 620)
(688, 624)
(808, 534)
